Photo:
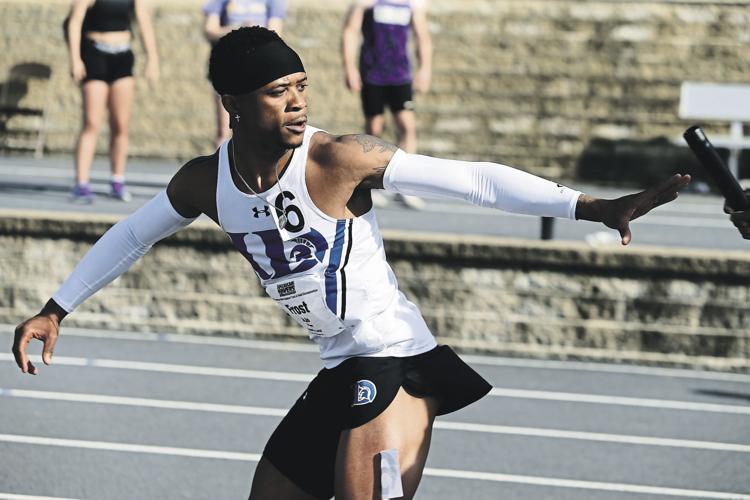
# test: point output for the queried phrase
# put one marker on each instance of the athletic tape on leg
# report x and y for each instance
(390, 475)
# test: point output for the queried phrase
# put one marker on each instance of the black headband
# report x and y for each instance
(256, 67)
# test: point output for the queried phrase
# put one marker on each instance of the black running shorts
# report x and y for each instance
(375, 97)
(105, 66)
(303, 446)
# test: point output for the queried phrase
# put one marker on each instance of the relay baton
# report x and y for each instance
(712, 162)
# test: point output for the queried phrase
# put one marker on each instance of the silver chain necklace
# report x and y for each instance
(283, 219)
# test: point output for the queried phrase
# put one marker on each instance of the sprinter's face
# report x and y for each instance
(276, 112)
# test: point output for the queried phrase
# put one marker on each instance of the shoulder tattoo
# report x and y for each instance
(370, 143)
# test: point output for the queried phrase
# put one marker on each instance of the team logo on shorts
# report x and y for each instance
(364, 393)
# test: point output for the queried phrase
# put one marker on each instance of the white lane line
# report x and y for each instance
(711, 206)
(665, 220)
(30, 171)
(451, 473)
(469, 358)
(180, 338)
(306, 378)
(653, 220)
(15, 496)
(586, 485)
(443, 205)
(173, 368)
(592, 436)
(619, 400)
(144, 402)
(132, 448)
(606, 368)
(449, 426)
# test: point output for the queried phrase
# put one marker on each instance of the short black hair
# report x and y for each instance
(230, 51)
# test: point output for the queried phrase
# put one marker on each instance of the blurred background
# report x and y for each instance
(586, 93)
(582, 92)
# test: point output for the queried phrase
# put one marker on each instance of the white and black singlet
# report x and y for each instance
(328, 274)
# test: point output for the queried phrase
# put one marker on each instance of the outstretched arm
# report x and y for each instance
(110, 256)
(118, 249)
(372, 163)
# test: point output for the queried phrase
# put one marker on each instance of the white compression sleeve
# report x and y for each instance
(118, 249)
(480, 183)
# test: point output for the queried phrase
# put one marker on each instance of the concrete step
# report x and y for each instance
(519, 320)
(515, 336)
(539, 299)
(591, 334)
(191, 297)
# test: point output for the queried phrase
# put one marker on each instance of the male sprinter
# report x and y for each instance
(295, 202)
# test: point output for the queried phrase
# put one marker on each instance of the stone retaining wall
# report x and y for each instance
(530, 83)
(540, 299)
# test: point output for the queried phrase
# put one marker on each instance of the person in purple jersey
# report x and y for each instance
(384, 75)
(221, 17)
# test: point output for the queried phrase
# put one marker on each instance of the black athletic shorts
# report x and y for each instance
(375, 97)
(103, 65)
(303, 446)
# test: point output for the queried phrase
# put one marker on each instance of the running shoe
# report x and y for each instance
(119, 191)
(82, 194)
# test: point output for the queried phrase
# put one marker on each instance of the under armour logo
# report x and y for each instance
(265, 211)
(364, 393)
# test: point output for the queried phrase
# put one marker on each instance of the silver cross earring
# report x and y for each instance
(237, 117)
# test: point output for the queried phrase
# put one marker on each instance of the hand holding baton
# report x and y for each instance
(709, 158)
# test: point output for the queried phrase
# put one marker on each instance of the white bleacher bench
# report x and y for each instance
(719, 102)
